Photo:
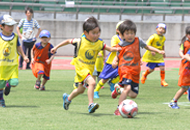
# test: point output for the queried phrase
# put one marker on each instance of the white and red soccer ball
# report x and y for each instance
(128, 108)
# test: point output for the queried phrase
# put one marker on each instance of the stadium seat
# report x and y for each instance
(5, 7)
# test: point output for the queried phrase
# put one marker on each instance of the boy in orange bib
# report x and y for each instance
(41, 59)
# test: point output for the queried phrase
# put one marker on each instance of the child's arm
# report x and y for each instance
(181, 53)
(115, 62)
(112, 48)
(187, 57)
(63, 43)
(32, 56)
(48, 61)
(20, 51)
(150, 48)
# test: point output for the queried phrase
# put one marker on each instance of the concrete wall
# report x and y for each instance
(69, 25)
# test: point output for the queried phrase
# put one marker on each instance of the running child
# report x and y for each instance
(41, 59)
(184, 70)
(85, 61)
(9, 52)
(128, 61)
(108, 72)
(154, 59)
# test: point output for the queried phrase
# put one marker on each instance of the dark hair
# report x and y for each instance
(187, 31)
(127, 25)
(90, 24)
(2, 25)
(28, 9)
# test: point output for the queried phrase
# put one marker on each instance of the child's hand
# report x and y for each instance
(32, 61)
(48, 61)
(141, 62)
(26, 59)
(114, 65)
(53, 50)
(119, 48)
(161, 52)
(153, 53)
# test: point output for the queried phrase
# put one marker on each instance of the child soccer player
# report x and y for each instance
(128, 61)
(41, 59)
(85, 61)
(155, 59)
(184, 70)
(108, 72)
(10, 47)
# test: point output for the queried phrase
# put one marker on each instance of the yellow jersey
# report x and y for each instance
(8, 58)
(99, 64)
(114, 41)
(85, 61)
(156, 41)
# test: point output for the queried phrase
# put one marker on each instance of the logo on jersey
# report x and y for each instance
(6, 51)
(128, 56)
(89, 54)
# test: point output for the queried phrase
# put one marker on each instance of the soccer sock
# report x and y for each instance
(1, 94)
(162, 75)
(174, 100)
(115, 80)
(98, 86)
(146, 73)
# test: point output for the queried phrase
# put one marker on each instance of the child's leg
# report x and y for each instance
(113, 82)
(145, 74)
(67, 98)
(162, 75)
(76, 92)
(98, 87)
(42, 86)
(127, 92)
(91, 85)
(179, 93)
(100, 84)
(38, 81)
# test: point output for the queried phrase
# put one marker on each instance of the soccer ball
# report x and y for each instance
(128, 108)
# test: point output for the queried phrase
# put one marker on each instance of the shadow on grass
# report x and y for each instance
(17, 106)
(96, 114)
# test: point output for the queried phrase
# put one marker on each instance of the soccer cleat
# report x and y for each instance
(173, 105)
(42, 88)
(117, 113)
(66, 102)
(7, 88)
(96, 95)
(92, 107)
(185, 93)
(2, 103)
(116, 92)
(164, 84)
(143, 78)
(112, 87)
(37, 85)
(188, 94)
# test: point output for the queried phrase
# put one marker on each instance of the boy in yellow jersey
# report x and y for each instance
(108, 72)
(10, 47)
(85, 61)
(154, 60)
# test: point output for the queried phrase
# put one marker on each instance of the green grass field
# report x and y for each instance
(30, 109)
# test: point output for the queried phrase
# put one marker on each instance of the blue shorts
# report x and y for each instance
(109, 72)
(154, 65)
(134, 86)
